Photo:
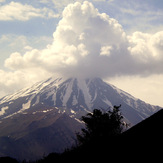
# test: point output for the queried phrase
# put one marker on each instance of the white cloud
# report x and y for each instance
(82, 50)
(78, 41)
(147, 47)
(99, 0)
(13, 81)
(106, 50)
(10, 43)
(88, 43)
(18, 11)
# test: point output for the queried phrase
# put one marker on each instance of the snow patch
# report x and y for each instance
(2, 112)
(84, 88)
(78, 120)
(74, 102)
(25, 106)
(68, 93)
(24, 113)
(44, 111)
(94, 97)
(37, 100)
(73, 112)
(107, 102)
(122, 93)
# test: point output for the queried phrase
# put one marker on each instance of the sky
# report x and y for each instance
(119, 41)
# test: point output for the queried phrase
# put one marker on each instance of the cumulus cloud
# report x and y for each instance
(146, 50)
(15, 80)
(105, 50)
(88, 43)
(83, 38)
(18, 11)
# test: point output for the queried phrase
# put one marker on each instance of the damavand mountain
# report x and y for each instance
(45, 117)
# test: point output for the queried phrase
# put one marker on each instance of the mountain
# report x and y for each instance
(44, 118)
(74, 97)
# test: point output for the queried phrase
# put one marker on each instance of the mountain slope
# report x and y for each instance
(44, 118)
(33, 135)
(75, 97)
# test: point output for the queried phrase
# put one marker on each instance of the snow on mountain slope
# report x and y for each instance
(75, 97)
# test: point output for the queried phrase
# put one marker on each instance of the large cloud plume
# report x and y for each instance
(85, 42)
(88, 43)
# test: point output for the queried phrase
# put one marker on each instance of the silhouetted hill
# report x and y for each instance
(148, 128)
(7, 159)
(142, 143)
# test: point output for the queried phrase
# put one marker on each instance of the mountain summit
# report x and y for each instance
(44, 118)
(76, 97)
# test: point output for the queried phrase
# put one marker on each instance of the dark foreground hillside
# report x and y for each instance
(8, 159)
(151, 127)
(142, 143)
(146, 139)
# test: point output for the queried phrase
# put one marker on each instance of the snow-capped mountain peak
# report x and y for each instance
(75, 96)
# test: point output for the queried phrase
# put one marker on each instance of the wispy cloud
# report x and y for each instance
(18, 11)
(137, 15)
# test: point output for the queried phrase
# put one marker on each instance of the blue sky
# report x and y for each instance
(36, 36)
(143, 15)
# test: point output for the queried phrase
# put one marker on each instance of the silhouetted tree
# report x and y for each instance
(101, 125)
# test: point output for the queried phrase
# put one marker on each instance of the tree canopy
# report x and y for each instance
(100, 125)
